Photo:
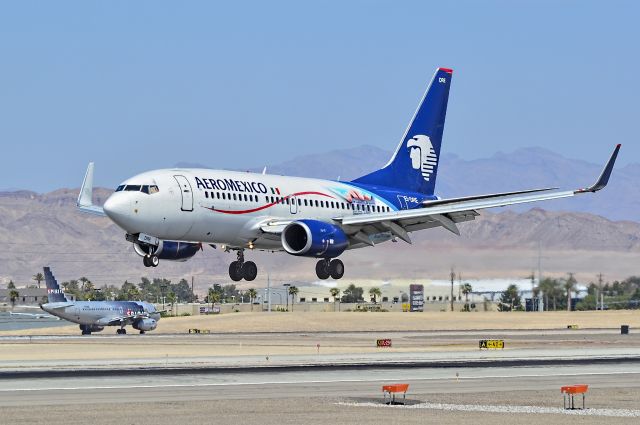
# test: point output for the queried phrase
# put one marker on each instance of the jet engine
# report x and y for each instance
(91, 328)
(170, 250)
(145, 324)
(313, 238)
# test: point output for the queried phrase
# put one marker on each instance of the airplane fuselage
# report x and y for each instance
(99, 313)
(232, 208)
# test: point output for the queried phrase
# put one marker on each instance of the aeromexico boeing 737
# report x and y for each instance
(93, 316)
(169, 214)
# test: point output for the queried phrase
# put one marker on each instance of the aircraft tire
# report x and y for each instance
(84, 332)
(322, 269)
(145, 261)
(249, 271)
(336, 269)
(154, 260)
(235, 271)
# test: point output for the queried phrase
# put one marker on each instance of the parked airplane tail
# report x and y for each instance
(414, 164)
(54, 292)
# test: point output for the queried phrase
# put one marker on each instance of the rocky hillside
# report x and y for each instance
(46, 229)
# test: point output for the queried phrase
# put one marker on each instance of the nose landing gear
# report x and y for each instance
(240, 269)
(150, 260)
(326, 268)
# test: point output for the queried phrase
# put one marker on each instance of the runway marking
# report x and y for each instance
(619, 413)
(290, 382)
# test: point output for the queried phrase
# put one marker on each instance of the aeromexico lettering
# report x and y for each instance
(229, 184)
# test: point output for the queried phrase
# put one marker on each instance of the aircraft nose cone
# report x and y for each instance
(117, 208)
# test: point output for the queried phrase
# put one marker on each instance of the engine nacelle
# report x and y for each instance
(145, 324)
(91, 328)
(170, 250)
(313, 238)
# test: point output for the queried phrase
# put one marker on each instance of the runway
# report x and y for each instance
(349, 394)
(274, 378)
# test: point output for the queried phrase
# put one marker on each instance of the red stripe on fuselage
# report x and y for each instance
(268, 205)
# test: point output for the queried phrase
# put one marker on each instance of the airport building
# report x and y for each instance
(26, 296)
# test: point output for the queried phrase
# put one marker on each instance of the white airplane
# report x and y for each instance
(169, 214)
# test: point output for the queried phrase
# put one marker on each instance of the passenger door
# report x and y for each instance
(186, 192)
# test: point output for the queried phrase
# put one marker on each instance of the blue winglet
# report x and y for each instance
(604, 176)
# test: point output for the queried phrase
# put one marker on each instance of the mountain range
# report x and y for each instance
(524, 168)
(594, 233)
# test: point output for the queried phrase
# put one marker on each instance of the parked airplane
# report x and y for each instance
(169, 214)
(93, 316)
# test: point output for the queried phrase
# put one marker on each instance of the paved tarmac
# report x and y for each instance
(450, 395)
(276, 378)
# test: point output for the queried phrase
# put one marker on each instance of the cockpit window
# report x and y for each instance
(148, 189)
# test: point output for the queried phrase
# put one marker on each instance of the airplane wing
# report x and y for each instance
(34, 315)
(448, 212)
(85, 198)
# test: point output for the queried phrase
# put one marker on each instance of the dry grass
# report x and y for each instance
(351, 321)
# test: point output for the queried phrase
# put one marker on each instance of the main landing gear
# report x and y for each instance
(240, 269)
(330, 268)
(121, 331)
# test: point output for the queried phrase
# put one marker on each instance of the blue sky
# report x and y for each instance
(146, 84)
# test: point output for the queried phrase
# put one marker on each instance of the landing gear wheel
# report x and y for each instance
(145, 261)
(322, 269)
(154, 260)
(122, 331)
(141, 332)
(336, 269)
(86, 332)
(249, 271)
(235, 271)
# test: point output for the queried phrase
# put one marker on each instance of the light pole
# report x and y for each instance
(162, 288)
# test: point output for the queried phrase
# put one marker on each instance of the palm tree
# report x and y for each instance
(214, 297)
(252, 296)
(38, 277)
(171, 297)
(569, 285)
(84, 281)
(293, 291)
(548, 287)
(375, 293)
(466, 290)
(335, 293)
(13, 296)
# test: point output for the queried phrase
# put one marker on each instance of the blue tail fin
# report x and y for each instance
(414, 164)
(54, 293)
